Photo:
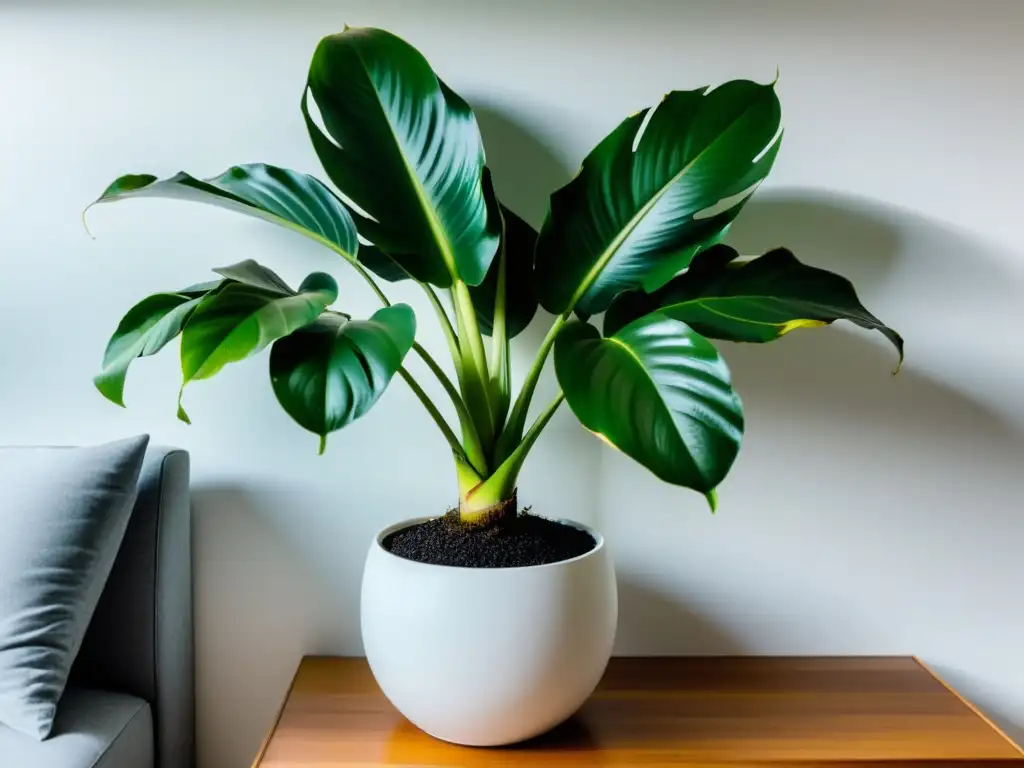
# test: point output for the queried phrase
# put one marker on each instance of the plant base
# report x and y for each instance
(511, 542)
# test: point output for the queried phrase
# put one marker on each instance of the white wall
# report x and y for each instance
(866, 514)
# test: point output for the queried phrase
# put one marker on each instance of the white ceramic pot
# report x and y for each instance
(488, 656)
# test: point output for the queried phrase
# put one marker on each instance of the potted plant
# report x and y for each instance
(488, 625)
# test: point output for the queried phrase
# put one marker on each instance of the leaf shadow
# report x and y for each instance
(526, 171)
(947, 431)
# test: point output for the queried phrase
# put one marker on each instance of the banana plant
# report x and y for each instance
(635, 236)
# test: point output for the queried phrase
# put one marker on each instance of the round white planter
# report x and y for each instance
(487, 656)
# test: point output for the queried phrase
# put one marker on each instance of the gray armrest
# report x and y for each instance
(140, 640)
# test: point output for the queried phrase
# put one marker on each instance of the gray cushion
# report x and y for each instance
(63, 516)
(94, 729)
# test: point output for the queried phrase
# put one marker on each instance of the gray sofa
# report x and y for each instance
(129, 702)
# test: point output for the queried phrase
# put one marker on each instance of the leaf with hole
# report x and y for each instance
(329, 373)
(667, 179)
(406, 150)
(659, 392)
(755, 300)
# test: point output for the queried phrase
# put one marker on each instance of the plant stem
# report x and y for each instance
(501, 485)
(435, 414)
(475, 381)
(474, 449)
(501, 375)
(364, 273)
(446, 327)
(513, 431)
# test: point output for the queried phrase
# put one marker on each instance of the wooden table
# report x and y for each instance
(659, 712)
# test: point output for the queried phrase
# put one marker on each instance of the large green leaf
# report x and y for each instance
(287, 198)
(518, 244)
(756, 300)
(241, 319)
(657, 391)
(406, 149)
(144, 330)
(330, 373)
(646, 194)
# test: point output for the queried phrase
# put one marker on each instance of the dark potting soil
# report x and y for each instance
(518, 541)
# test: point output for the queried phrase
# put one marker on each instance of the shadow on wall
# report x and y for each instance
(654, 623)
(953, 395)
(525, 171)
(255, 611)
(952, 419)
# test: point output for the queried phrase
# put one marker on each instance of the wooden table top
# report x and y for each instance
(659, 712)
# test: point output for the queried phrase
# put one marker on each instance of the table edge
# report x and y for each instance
(280, 712)
(969, 704)
(916, 659)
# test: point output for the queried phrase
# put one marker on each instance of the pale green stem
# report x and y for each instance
(475, 381)
(474, 449)
(373, 283)
(446, 325)
(513, 431)
(501, 372)
(500, 486)
(435, 414)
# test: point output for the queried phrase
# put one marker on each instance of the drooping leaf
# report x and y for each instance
(144, 330)
(646, 194)
(287, 198)
(406, 149)
(657, 391)
(255, 274)
(756, 300)
(518, 245)
(328, 374)
(242, 319)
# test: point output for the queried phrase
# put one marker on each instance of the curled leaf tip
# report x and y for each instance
(777, 73)
(182, 416)
(85, 224)
(712, 498)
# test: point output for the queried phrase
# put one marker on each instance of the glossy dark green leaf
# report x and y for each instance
(518, 245)
(333, 371)
(145, 330)
(659, 392)
(240, 320)
(406, 149)
(255, 274)
(289, 199)
(646, 194)
(382, 265)
(754, 300)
